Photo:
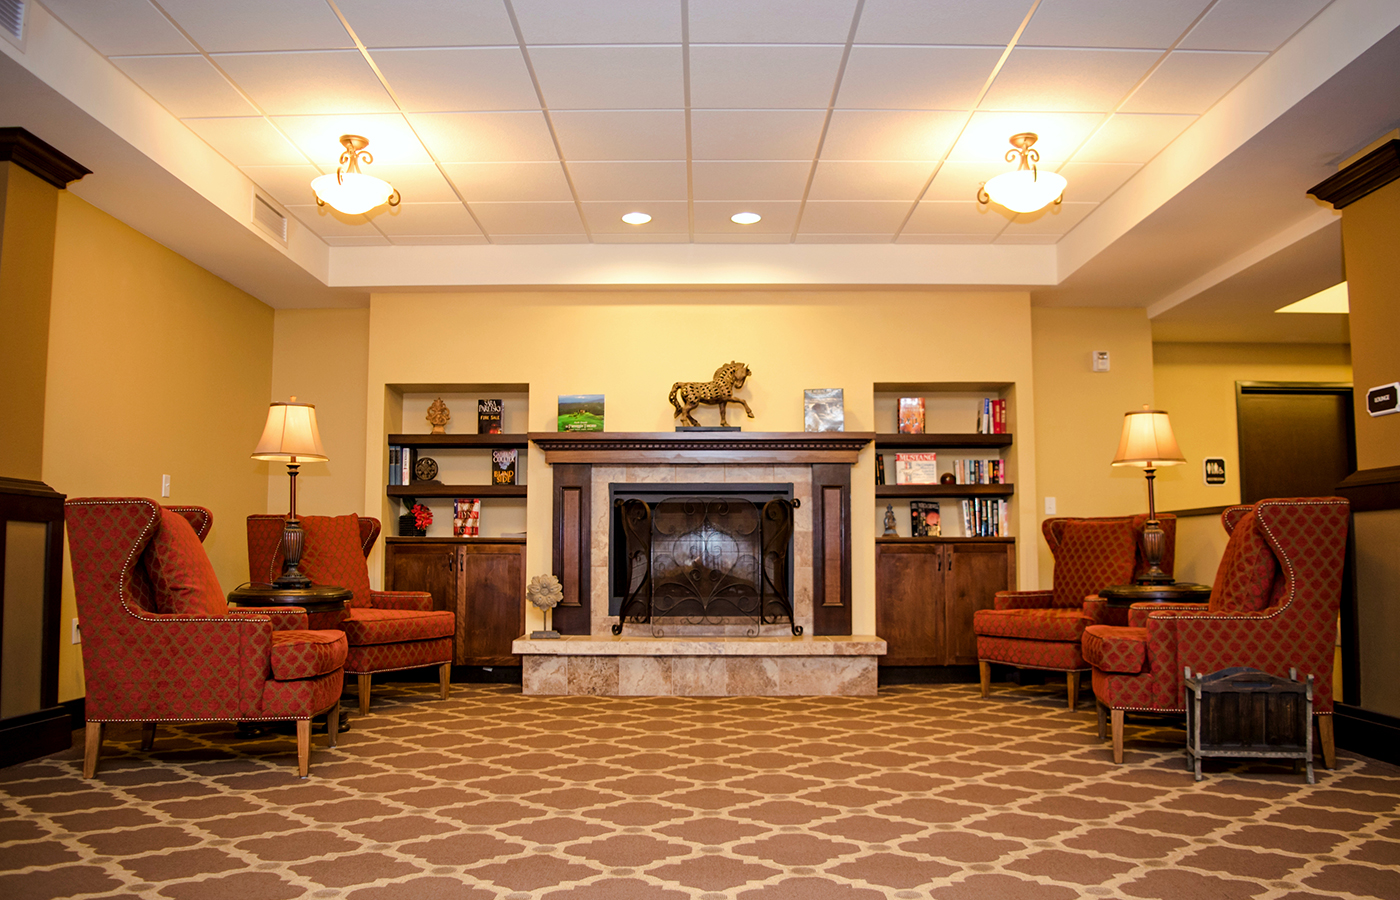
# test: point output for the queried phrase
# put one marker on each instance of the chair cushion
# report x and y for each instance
(181, 575)
(390, 626)
(1093, 554)
(392, 657)
(334, 555)
(1245, 581)
(306, 654)
(1111, 648)
(1061, 656)
(1032, 624)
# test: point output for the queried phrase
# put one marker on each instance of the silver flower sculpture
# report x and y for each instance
(544, 592)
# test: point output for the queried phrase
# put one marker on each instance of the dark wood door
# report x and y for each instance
(972, 574)
(423, 566)
(1295, 439)
(909, 603)
(490, 604)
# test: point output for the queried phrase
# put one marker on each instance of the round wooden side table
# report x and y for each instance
(1122, 596)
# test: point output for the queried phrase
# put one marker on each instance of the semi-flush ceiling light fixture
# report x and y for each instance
(350, 190)
(636, 218)
(1027, 189)
(745, 218)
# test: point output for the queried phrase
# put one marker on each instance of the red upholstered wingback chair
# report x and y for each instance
(1043, 629)
(1273, 607)
(160, 644)
(388, 630)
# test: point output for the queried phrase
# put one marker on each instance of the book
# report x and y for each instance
(924, 518)
(488, 416)
(998, 417)
(466, 517)
(879, 468)
(916, 468)
(503, 466)
(823, 409)
(580, 412)
(406, 466)
(911, 415)
(395, 467)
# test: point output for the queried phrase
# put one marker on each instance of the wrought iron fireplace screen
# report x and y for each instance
(706, 560)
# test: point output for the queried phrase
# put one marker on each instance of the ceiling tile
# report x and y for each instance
(915, 77)
(1191, 81)
(1250, 24)
(610, 77)
(421, 183)
(450, 240)
(485, 136)
(367, 240)
(290, 84)
(599, 21)
(1095, 182)
(987, 136)
(509, 182)
(713, 218)
(120, 27)
(898, 181)
(890, 134)
(429, 23)
(328, 223)
(957, 217)
(907, 238)
(425, 218)
(288, 185)
(666, 218)
(185, 85)
(961, 180)
(743, 181)
(1067, 80)
(260, 24)
(609, 135)
(826, 217)
(736, 238)
(576, 238)
(1148, 24)
(641, 238)
(528, 218)
(991, 22)
(247, 141)
(629, 180)
(1007, 238)
(773, 21)
(465, 79)
(748, 134)
(1051, 220)
(805, 238)
(1128, 138)
(744, 76)
(390, 138)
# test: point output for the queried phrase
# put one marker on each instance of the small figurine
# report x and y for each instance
(438, 416)
(890, 530)
(719, 391)
(544, 593)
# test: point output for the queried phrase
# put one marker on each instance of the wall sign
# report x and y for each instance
(1383, 400)
(1214, 469)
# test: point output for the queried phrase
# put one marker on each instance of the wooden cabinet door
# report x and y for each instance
(490, 603)
(908, 603)
(972, 575)
(427, 566)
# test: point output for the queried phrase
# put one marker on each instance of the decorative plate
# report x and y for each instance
(426, 469)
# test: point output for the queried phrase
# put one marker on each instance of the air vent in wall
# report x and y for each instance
(12, 20)
(266, 215)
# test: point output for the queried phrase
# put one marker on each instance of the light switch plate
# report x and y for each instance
(1100, 360)
(1049, 506)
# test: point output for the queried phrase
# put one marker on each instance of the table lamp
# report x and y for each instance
(1148, 442)
(291, 436)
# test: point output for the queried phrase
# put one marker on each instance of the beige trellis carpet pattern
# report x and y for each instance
(923, 792)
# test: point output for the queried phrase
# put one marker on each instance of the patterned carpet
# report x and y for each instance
(925, 791)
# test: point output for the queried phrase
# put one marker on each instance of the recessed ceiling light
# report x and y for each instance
(1333, 300)
(745, 218)
(636, 218)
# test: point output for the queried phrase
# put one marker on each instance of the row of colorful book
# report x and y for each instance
(503, 466)
(985, 517)
(991, 418)
(979, 471)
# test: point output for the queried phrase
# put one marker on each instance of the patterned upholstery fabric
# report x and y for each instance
(333, 555)
(306, 654)
(417, 601)
(1033, 624)
(1093, 554)
(181, 575)
(389, 626)
(1246, 577)
(1060, 656)
(1024, 600)
(1116, 649)
(392, 657)
(283, 618)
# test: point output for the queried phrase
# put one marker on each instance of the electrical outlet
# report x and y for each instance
(165, 485)
(77, 637)
(1049, 506)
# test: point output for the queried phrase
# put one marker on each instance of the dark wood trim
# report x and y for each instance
(461, 441)
(1349, 629)
(23, 500)
(939, 441)
(1371, 490)
(39, 158)
(1369, 733)
(573, 547)
(893, 491)
(1369, 173)
(945, 540)
(453, 540)
(36, 734)
(701, 447)
(1196, 511)
(831, 549)
(427, 489)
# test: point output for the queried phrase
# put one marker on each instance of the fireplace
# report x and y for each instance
(704, 554)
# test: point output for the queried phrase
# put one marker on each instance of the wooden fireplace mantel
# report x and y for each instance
(702, 447)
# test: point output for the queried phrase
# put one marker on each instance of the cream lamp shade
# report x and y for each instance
(290, 434)
(1147, 441)
(350, 190)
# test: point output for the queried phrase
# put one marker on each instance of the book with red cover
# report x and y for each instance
(911, 415)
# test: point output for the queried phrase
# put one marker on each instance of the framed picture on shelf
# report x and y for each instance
(823, 409)
(580, 412)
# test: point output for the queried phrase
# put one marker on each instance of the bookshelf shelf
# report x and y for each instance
(956, 441)
(427, 489)
(934, 491)
(461, 441)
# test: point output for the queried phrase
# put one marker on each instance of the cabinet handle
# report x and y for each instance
(451, 562)
(940, 559)
(949, 551)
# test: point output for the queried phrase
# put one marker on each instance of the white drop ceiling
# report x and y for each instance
(852, 122)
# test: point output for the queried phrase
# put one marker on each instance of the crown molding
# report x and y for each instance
(1368, 174)
(34, 155)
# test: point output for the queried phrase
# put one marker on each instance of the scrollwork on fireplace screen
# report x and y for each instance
(707, 560)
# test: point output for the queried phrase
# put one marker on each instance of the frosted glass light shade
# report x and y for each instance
(352, 192)
(1147, 441)
(1026, 190)
(290, 434)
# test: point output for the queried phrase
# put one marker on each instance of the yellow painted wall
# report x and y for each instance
(631, 346)
(1196, 385)
(322, 356)
(155, 367)
(1079, 412)
(1370, 238)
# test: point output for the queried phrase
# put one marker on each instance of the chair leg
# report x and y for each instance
(148, 735)
(364, 693)
(1103, 718)
(1327, 738)
(1117, 735)
(445, 679)
(303, 747)
(332, 723)
(92, 748)
(984, 672)
(1072, 683)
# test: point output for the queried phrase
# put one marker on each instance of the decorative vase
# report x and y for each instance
(408, 527)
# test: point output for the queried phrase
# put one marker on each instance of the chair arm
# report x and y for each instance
(284, 618)
(1138, 613)
(1098, 612)
(419, 601)
(1272, 640)
(1024, 600)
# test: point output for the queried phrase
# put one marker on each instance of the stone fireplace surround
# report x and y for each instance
(702, 660)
